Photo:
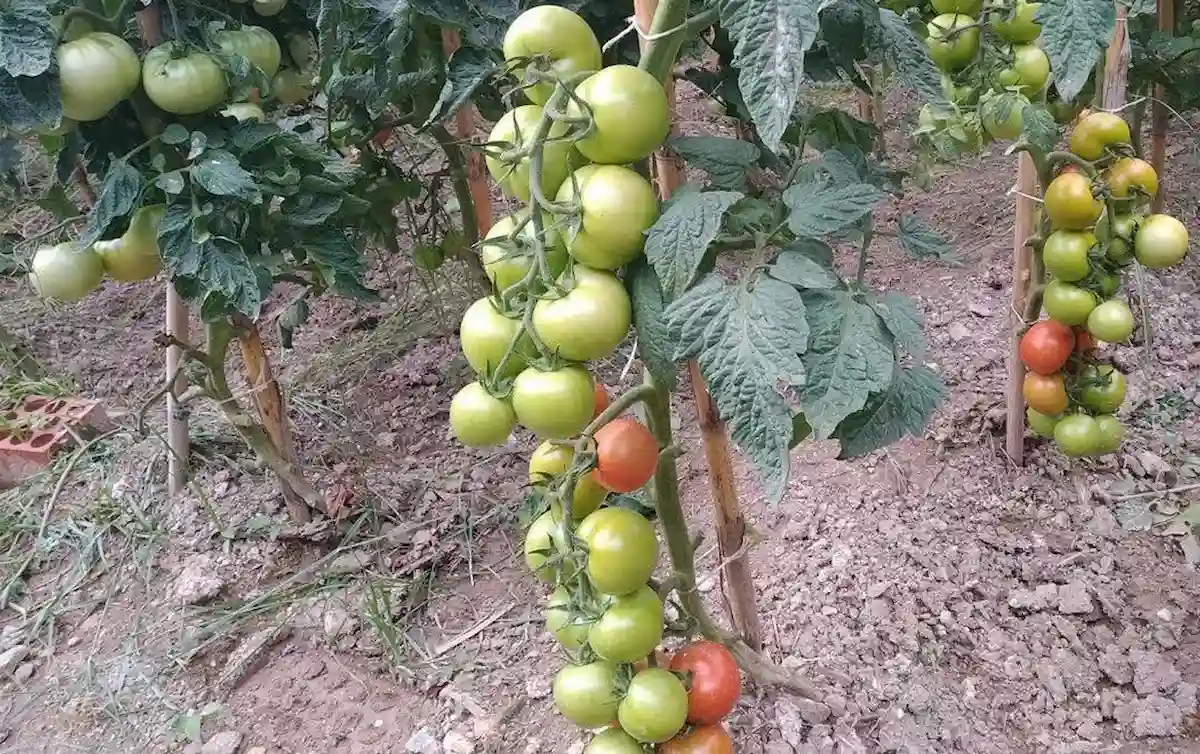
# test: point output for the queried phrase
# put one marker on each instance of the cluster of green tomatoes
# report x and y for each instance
(558, 302)
(1095, 210)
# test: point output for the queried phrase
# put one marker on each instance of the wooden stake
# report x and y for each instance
(1158, 125)
(1022, 285)
(465, 121)
(1116, 64)
(737, 583)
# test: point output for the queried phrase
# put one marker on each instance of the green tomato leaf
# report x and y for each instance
(1039, 127)
(1074, 35)
(770, 38)
(747, 342)
(818, 210)
(726, 160)
(211, 269)
(29, 101)
(174, 135)
(904, 408)
(653, 338)
(219, 173)
(27, 37)
(120, 192)
(902, 320)
(849, 357)
(923, 242)
(806, 263)
(337, 260)
(677, 244)
(467, 70)
(309, 210)
(905, 53)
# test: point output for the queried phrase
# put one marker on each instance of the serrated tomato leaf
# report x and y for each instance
(29, 101)
(747, 341)
(818, 210)
(212, 269)
(726, 160)
(118, 195)
(27, 37)
(337, 260)
(1039, 127)
(1074, 35)
(806, 263)
(467, 70)
(850, 356)
(904, 408)
(923, 242)
(906, 54)
(654, 344)
(678, 242)
(218, 172)
(902, 320)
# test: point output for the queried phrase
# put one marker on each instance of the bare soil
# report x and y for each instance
(948, 600)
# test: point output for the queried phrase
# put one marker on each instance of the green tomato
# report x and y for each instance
(1103, 388)
(1111, 322)
(291, 87)
(516, 130)
(953, 41)
(1077, 435)
(572, 633)
(1041, 424)
(95, 73)
(1064, 112)
(541, 542)
(558, 34)
(1112, 432)
(618, 206)
(1119, 237)
(965, 7)
(507, 261)
(631, 114)
(1030, 71)
(655, 706)
(1161, 241)
(478, 419)
(181, 82)
(65, 273)
(1065, 254)
(959, 94)
(1107, 282)
(268, 8)
(1018, 27)
(1068, 303)
(589, 321)
(485, 334)
(549, 462)
(622, 550)
(1003, 115)
(134, 256)
(614, 741)
(253, 43)
(630, 628)
(586, 694)
(557, 403)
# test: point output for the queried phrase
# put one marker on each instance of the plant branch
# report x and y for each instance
(658, 56)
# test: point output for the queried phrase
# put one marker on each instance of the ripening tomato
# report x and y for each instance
(1041, 424)
(953, 41)
(1111, 322)
(589, 321)
(1046, 346)
(1070, 204)
(1132, 178)
(507, 256)
(630, 628)
(1077, 435)
(626, 455)
(618, 206)
(1112, 432)
(1045, 393)
(630, 113)
(555, 403)
(655, 706)
(551, 461)
(586, 694)
(1068, 303)
(614, 741)
(556, 33)
(479, 419)
(714, 681)
(95, 72)
(516, 130)
(1065, 254)
(601, 400)
(622, 550)
(1084, 342)
(485, 335)
(1107, 283)
(705, 739)
(182, 82)
(65, 272)
(1098, 132)
(1161, 241)
(1102, 388)
(1017, 26)
(291, 86)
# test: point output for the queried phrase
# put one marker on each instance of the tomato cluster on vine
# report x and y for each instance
(557, 302)
(1094, 210)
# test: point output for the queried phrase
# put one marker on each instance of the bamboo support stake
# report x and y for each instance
(1116, 64)
(1158, 123)
(737, 583)
(1023, 283)
(149, 22)
(465, 121)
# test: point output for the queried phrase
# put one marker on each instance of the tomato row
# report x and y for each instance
(1071, 396)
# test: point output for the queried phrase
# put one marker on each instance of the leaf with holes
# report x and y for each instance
(818, 210)
(726, 160)
(678, 242)
(747, 341)
(1074, 35)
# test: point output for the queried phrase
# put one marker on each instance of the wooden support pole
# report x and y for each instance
(1022, 287)
(1116, 64)
(465, 121)
(737, 583)
(1158, 123)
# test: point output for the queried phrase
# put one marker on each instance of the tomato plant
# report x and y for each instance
(630, 628)
(713, 680)
(1046, 394)
(705, 739)
(621, 550)
(626, 456)
(654, 707)
(617, 207)
(586, 694)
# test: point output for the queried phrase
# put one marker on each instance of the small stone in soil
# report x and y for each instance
(1073, 599)
(421, 742)
(12, 657)
(198, 581)
(225, 742)
(24, 672)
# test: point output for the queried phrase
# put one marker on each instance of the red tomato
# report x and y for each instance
(601, 400)
(1084, 342)
(706, 739)
(1046, 346)
(714, 682)
(626, 456)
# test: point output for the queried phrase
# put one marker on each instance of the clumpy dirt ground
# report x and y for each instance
(947, 600)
